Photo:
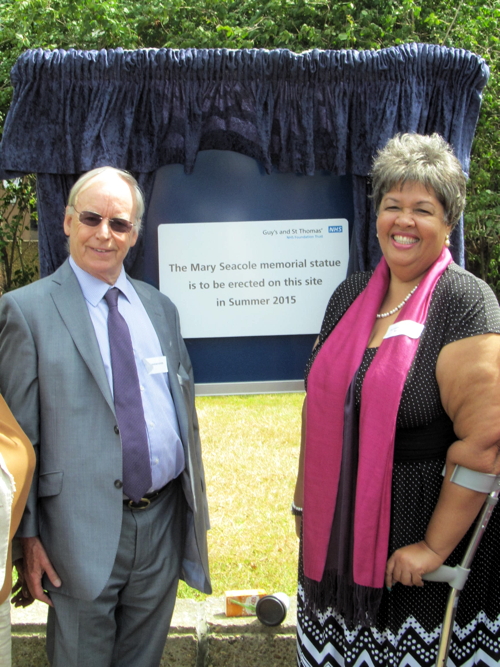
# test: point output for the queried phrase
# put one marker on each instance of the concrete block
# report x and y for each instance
(28, 636)
(183, 639)
(29, 651)
(180, 650)
(200, 636)
(217, 621)
(245, 642)
(29, 619)
(251, 651)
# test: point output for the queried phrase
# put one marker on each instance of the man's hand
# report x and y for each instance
(21, 596)
(408, 564)
(36, 564)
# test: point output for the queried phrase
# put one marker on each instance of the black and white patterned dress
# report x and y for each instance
(409, 621)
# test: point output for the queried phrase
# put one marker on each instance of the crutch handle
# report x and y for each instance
(455, 576)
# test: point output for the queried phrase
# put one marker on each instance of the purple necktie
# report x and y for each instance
(128, 403)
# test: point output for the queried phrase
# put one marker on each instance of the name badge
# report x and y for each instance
(156, 365)
(405, 328)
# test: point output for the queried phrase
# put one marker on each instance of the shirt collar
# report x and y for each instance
(94, 289)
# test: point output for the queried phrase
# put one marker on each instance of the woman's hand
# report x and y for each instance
(408, 564)
(298, 497)
(298, 525)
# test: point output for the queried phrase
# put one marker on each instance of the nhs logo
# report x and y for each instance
(335, 229)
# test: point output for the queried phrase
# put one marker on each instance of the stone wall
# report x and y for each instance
(200, 636)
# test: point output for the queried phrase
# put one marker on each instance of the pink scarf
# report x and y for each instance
(329, 379)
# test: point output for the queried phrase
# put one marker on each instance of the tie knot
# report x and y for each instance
(111, 297)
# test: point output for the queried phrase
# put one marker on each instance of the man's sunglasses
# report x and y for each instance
(118, 225)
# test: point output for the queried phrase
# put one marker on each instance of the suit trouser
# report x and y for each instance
(127, 624)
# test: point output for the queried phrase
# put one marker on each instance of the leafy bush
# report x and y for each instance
(17, 200)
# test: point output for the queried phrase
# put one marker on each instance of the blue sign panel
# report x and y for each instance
(230, 187)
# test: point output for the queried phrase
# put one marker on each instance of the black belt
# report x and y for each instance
(146, 500)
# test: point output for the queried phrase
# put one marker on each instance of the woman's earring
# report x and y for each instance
(447, 241)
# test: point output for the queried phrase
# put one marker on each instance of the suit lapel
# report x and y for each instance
(70, 303)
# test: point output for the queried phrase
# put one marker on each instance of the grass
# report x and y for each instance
(250, 452)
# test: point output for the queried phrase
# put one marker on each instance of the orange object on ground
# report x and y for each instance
(243, 603)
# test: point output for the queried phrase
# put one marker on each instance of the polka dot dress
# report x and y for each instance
(409, 621)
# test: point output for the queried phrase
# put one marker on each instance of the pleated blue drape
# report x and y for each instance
(140, 110)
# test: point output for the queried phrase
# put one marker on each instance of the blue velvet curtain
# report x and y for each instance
(139, 110)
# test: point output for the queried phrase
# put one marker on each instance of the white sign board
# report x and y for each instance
(252, 278)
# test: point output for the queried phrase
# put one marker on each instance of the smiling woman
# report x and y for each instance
(411, 230)
(402, 383)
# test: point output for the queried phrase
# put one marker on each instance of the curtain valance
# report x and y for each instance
(139, 110)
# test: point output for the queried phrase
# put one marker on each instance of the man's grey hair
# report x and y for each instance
(125, 175)
(419, 158)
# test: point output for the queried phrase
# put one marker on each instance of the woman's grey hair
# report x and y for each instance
(424, 159)
(125, 175)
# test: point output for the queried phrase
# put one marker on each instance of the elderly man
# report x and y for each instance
(94, 368)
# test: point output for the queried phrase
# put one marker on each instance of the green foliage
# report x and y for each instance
(16, 199)
(52, 24)
(297, 25)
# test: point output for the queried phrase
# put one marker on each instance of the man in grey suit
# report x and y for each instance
(117, 512)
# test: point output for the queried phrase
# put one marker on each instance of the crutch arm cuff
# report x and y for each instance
(482, 482)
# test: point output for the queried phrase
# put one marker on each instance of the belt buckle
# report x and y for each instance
(141, 505)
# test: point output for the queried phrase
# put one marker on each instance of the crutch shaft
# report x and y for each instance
(447, 628)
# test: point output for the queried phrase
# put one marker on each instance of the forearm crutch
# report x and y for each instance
(457, 576)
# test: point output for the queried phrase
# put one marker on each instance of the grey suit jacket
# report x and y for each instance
(53, 378)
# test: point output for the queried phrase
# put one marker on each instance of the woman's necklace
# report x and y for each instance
(398, 307)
